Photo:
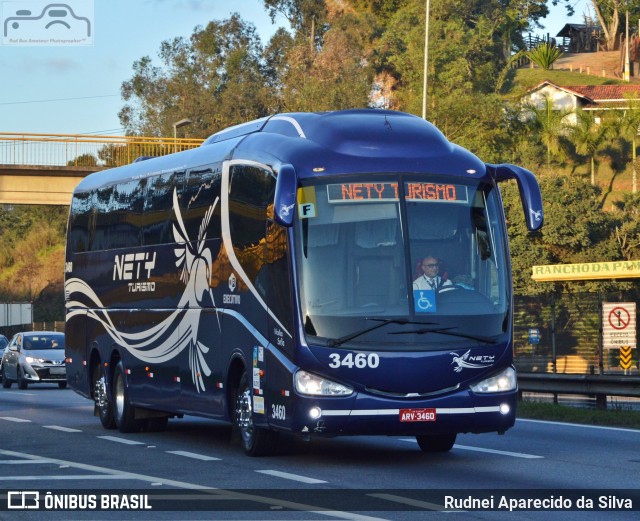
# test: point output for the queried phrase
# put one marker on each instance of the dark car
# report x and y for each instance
(34, 357)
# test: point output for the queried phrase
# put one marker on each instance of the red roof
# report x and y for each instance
(601, 93)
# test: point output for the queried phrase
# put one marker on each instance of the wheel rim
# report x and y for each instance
(100, 394)
(244, 416)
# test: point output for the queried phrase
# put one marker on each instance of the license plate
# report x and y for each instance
(57, 370)
(417, 415)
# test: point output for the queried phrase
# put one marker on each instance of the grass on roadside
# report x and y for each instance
(563, 413)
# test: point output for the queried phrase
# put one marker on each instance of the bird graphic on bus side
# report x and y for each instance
(178, 331)
(195, 262)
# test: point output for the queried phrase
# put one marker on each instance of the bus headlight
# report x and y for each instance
(499, 383)
(313, 385)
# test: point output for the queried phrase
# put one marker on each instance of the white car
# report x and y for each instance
(34, 357)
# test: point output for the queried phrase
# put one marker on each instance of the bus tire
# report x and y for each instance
(123, 412)
(102, 400)
(436, 442)
(256, 441)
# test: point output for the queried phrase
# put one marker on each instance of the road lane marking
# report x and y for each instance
(121, 440)
(22, 462)
(59, 428)
(500, 452)
(489, 451)
(287, 475)
(193, 455)
(107, 473)
(12, 419)
(603, 427)
(60, 477)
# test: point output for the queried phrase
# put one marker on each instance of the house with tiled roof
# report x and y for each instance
(585, 97)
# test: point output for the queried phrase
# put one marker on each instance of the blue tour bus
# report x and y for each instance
(266, 279)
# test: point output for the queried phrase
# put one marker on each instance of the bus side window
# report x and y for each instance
(126, 213)
(102, 219)
(202, 188)
(250, 196)
(81, 212)
(158, 208)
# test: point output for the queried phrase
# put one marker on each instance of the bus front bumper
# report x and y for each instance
(371, 415)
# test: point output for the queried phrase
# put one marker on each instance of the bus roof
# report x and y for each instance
(317, 144)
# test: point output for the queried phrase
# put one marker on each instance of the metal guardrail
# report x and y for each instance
(612, 385)
(85, 150)
(598, 385)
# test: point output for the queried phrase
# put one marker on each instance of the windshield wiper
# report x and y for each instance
(335, 342)
(446, 331)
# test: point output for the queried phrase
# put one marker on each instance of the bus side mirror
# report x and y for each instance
(529, 192)
(285, 197)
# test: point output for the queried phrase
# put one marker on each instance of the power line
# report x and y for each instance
(58, 99)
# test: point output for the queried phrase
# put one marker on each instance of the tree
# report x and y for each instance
(548, 123)
(608, 13)
(588, 134)
(336, 75)
(576, 230)
(216, 78)
(469, 41)
(83, 160)
(627, 231)
(544, 55)
(307, 18)
(628, 123)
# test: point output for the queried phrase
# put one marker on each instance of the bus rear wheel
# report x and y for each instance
(123, 412)
(436, 442)
(256, 441)
(103, 405)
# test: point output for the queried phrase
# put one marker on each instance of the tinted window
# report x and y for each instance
(202, 190)
(158, 208)
(81, 211)
(126, 214)
(250, 200)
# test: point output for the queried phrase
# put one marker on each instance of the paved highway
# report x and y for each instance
(50, 441)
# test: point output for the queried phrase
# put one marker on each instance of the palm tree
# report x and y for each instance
(544, 55)
(549, 123)
(588, 134)
(628, 123)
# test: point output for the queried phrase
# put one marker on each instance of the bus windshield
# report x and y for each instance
(404, 262)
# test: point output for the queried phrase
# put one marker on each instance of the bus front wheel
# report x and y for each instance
(436, 442)
(255, 441)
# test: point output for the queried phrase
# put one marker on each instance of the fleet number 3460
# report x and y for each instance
(359, 360)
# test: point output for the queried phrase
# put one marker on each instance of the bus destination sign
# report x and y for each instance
(415, 191)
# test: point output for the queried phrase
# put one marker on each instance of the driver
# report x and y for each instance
(430, 279)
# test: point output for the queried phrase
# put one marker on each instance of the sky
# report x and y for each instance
(75, 89)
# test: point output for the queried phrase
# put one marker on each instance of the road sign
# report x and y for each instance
(618, 325)
(625, 357)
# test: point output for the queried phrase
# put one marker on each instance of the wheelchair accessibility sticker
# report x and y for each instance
(424, 300)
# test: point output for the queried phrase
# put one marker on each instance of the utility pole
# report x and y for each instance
(426, 61)
(627, 65)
